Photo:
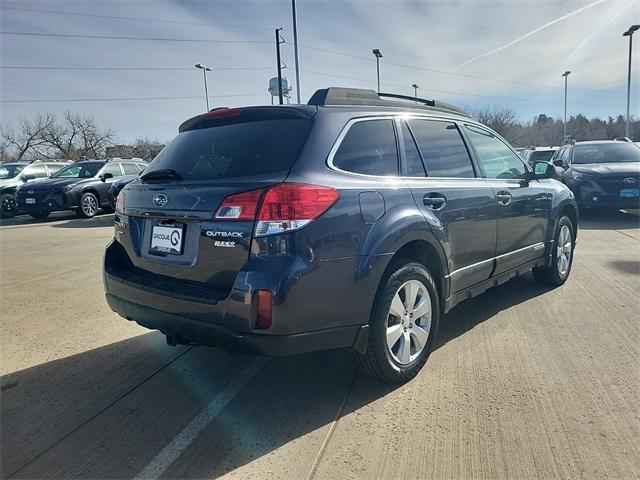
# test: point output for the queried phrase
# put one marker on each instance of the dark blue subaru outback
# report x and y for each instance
(355, 221)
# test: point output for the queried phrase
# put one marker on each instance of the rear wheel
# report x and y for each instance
(560, 268)
(39, 214)
(89, 205)
(403, 324)
(8, 205)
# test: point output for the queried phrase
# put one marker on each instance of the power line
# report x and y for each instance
(515, 99)
(142, 19)
(442, 72)
(129, 99)
(173, 69)
(113, 37)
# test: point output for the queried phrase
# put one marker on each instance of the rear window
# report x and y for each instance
(235, 150)
(606, 153)
(541, 156)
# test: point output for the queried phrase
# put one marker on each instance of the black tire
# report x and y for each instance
(8, 205)
(378, 361)
(554, 275)
(40, 214)
(89, 205)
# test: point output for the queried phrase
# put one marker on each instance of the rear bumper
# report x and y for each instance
(179, 329)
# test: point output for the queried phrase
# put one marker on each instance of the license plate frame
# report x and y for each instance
(167, 239)
(629, 193)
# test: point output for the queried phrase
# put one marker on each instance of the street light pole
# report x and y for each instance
(204, 75)
(629, 33)
(295, 48)
(564, 136)
(378, 56)
(415, 91)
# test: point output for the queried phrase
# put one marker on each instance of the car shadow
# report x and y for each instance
(609, 220)
(100, 220)
(114, 408)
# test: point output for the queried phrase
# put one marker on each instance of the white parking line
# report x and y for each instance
(181, 442)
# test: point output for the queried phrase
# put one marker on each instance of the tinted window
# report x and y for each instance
(541, 156)
(606, 153)
(234, 150)
(37, 171)
(442, 149)
(497, 160)
(414, 162)
(113, 169)
(10, 171)
(130, 169)
(370, 148)
(79, 170)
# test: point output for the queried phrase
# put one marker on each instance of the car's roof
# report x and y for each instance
(544, 149)
(599, 142)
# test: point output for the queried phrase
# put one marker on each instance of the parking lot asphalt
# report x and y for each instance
(526, 382)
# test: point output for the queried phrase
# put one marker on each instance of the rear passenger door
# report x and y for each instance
(523, 205)
(459, 206)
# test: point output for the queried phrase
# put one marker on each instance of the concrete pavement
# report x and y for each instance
(526, 382)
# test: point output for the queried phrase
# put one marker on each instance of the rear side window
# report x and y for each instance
(130, 169)
(235, 150)
(37, 171)
(369, 147)
(442, 149)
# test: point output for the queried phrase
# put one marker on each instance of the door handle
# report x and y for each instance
(434, 200)
(504, 198)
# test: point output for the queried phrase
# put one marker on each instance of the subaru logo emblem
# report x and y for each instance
(629, 180)
(160, 200)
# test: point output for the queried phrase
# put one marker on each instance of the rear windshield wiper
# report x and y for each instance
(162, 174)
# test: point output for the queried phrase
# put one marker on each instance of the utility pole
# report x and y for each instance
(565, 75)
(295, 48)
(204, 74)
(415, 91)
(629, 33)
(278, 42)
(378, 56)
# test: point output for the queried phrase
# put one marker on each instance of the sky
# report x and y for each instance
(472, 53)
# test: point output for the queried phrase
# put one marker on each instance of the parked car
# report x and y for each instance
(82, 186)
(117, 185)
(538, 154)
(602, 173)
(15, 174)
(355, 221)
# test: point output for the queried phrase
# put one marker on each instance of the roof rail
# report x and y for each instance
(623, 139)
(339, 96)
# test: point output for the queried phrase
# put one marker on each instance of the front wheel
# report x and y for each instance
(8, 205)
(560, 268)
(88, 205)
(403, 324)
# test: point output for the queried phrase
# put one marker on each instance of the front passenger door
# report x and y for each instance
(523, 205)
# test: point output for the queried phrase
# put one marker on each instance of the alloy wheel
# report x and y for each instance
(89, 205)
(564, 250)
(409, 322)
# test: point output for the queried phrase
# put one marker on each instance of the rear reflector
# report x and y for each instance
(241, 206)
(265, 300)
(289, 206)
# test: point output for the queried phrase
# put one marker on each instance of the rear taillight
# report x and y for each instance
(120, 202)
(289, 206)
(241, 206)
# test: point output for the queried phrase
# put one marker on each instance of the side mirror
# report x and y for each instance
(558, 163)
(105, 176)
(26, 178)
(544, 170)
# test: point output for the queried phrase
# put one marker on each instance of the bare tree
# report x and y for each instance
(29, 138)
(501, 120)
(147, 149)
(78, 137)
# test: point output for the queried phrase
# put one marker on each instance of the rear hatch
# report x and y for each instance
(191, 214)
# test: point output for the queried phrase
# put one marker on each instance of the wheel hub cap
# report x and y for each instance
(564, 250)
(409, 322)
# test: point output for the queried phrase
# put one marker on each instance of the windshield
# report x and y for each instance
(10, 171)
(79, 170)
(541, 156)
(236, 150)
(606, 153)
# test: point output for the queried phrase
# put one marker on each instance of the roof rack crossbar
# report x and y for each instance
(431, 103)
